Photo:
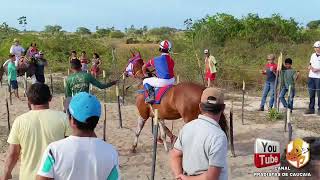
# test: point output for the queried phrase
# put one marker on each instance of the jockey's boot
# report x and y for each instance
(150, 98)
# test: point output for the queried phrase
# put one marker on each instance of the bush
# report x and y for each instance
(117, 34)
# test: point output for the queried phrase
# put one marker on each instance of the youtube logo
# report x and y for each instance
(266, 153)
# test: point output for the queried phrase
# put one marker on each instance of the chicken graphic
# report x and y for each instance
(297, 153)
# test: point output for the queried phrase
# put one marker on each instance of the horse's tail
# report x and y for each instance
(223, 124)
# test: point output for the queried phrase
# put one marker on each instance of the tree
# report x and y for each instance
(314, 24)
(23, 22)
(103, 32)
(52, 29)
(83, 31)
(117, 34)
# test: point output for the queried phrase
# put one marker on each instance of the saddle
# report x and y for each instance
(159, 93)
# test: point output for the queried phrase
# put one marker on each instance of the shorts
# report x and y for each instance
(211, 76)
(14, 84)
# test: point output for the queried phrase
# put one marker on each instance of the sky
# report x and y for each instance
(71, 14)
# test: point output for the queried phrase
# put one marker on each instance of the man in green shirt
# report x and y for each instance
(288, 78)
(12, 75)
(80, 81)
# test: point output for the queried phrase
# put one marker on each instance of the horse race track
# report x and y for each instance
(138, 166)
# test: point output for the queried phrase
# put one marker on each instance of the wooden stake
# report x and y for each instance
(105, 121)
(105, 90)
(123, 87)
(68, 71)
(25, 85)
(231, 130)
(51, 83)
(178, 79)
(10, 93)
(242, 108)
(119, 108)
(8, 116)
(276, 95)
(62, 103)
(155, 136)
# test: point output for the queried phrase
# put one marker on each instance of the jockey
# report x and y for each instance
(164, 67)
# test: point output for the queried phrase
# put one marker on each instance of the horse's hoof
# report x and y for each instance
(159, 141)
(173, 140)
(133, 149)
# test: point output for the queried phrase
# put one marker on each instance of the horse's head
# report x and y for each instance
(134, 66)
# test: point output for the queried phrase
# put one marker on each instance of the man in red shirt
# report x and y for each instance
(270, 72)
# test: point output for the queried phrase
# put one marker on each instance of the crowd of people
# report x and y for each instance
(63, 145)
(287, 78)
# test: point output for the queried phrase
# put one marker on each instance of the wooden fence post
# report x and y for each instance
(123, 87)
(155, 137)
(231, 130)
(242, 108)
(105, 90)
(51, 83)
(25, 85)
(8, 116)
(105, 121)
(119, 108)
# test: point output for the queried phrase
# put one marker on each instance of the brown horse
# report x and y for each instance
(24, 66)
(181, 101)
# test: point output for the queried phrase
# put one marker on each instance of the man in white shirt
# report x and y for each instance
(200, 151)
(82, 155)
(314, 79)
(17, 50)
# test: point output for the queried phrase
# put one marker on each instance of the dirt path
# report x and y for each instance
(138, 166)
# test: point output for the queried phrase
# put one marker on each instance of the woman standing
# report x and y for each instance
(96, 62)
(84, 61)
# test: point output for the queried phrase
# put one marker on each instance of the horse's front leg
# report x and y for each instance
(140, 126)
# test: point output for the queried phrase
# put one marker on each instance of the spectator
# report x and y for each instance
(17, 50)
(82, 155)
(79, 81)
(288, 78)
(270, 72)
(12, 75)
(202, 146)
(32, 132)
(314, 79)
(211, 67)
(84, 61)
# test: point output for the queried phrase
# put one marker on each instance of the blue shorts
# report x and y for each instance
(14, 84)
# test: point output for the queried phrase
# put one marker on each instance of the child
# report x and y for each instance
(73, 55)
(12, 75)
(84, 61)
(270, 72)
(288, 78)
(95, 65)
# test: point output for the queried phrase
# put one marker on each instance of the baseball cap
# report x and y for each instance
(84, 105)
(212, 96)
(206, 51)
(15, 40)
(316, 44)
(41, 53)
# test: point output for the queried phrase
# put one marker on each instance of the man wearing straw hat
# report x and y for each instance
(82, 155)
(17, 50)
(32, 132)
(314, 79)
(202, 146)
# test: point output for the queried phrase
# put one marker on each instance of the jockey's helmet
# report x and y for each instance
(165, 45)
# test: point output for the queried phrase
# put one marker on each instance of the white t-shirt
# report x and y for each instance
(203, 145)
(75, 158)
(315, 63)
(17, 50)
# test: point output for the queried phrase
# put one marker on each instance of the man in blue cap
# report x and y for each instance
(82, 155)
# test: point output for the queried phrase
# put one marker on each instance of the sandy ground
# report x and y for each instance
(138, 166)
